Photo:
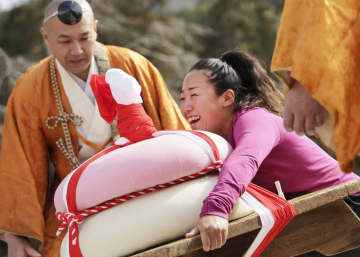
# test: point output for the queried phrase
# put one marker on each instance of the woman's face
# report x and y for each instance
(200, 105)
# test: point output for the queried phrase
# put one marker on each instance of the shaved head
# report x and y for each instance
(71, 43)
(51, 9)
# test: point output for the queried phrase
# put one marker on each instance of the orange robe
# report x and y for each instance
(28, 145)
(318, 45)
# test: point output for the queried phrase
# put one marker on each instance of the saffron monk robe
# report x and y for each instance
(316, 55)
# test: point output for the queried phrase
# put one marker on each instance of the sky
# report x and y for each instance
(8, 4)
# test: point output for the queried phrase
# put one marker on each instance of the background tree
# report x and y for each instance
(171, 36)
(247, 25)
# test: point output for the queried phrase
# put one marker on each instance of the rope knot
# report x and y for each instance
(67, 218)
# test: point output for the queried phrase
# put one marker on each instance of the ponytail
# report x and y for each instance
(243, 74)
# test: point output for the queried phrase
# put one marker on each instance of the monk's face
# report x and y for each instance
(72, 45)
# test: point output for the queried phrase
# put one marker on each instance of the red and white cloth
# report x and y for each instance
(118, 95)
(275, 213)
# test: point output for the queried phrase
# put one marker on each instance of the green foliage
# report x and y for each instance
(171, 42)
(139, 8)
(246, 25)
(222, 25)
(140, 14)
(278, 4)
(20, 30)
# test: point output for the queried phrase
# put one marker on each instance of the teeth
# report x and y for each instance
(193, 118)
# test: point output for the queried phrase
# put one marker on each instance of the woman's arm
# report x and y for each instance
(256, 133)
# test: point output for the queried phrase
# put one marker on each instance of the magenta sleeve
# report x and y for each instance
(255, 133)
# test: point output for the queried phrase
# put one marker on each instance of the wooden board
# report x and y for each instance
(323, 223)
(330, 229)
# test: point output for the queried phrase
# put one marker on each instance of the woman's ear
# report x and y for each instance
(228, 98)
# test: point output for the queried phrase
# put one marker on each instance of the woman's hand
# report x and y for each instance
(18, 247)
(213, 231)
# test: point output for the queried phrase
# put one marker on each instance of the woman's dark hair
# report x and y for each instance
(245, 75)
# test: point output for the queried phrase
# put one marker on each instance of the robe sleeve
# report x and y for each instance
(158, 102)
(23, 166)
(317, 44)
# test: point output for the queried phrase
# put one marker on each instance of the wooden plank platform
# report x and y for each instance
(323, 223)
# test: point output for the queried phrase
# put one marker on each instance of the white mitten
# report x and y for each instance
(124, 88)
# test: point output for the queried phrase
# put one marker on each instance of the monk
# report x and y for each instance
(52, 120)
(317, 57)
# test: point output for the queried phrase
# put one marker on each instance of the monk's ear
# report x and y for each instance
(228, 98)
(95, 25)
(44, 35)
(95, 29)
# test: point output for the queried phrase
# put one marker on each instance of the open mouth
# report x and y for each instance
(77, 61)
(193, 120)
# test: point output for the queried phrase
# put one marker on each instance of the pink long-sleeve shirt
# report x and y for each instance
(265, 152)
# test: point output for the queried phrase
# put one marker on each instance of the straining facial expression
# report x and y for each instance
(201, 106)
